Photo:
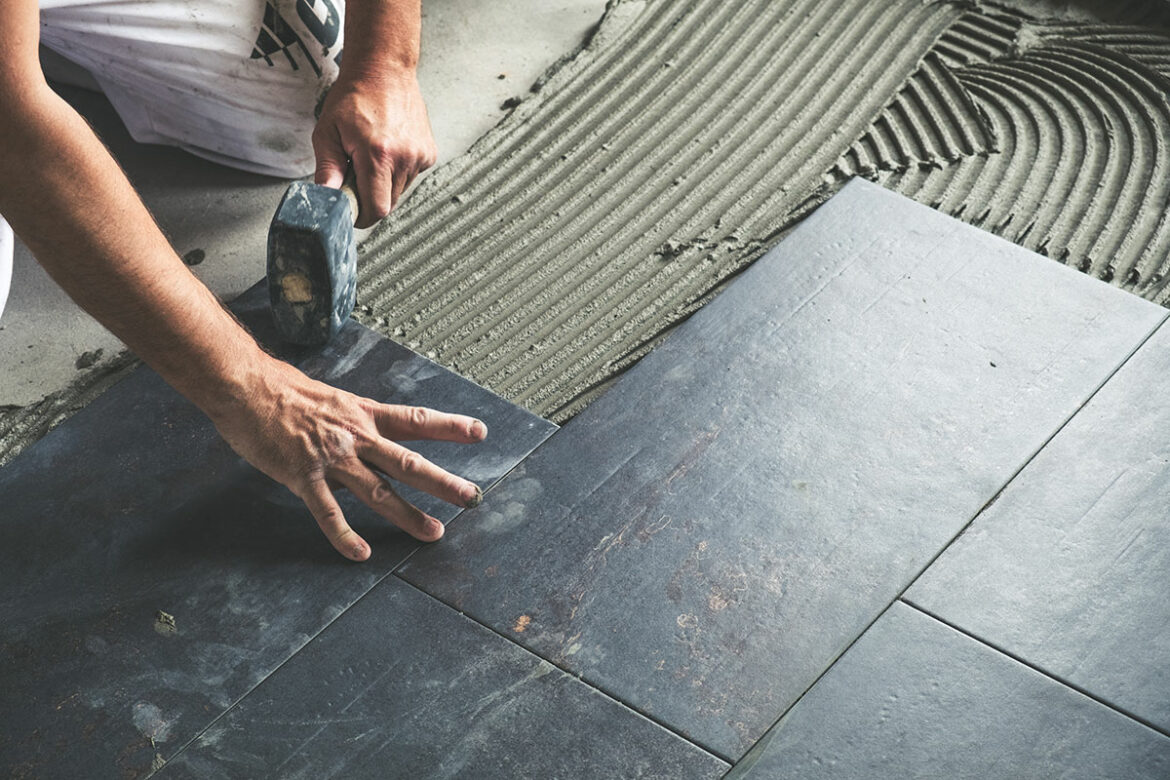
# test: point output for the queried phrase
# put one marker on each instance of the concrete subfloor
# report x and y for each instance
(467, 45)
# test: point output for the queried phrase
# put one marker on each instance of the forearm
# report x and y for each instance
(70, 202)
(381, 39)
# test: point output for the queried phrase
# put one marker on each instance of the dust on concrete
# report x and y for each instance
(88, 359)
(194, 257)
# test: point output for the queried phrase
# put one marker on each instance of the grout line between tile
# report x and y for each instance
(338, 616)
(1027, 461)
(1038, 669)
(575, 675)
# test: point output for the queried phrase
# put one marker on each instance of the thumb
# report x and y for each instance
(332, 162)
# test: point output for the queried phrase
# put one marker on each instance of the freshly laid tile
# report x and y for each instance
(402, 686)
(149, 577)
(707, 537)
(1070, 568)
(916, 699)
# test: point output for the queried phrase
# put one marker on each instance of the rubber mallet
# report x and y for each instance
(312, 262)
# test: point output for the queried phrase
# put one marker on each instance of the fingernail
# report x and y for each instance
(359, 552)
(435, 528)
(478, 430)
(472, 498)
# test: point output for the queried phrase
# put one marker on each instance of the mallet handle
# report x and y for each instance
(349, 190)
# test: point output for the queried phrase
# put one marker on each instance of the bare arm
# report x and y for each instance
(375, 115)
(70, 202)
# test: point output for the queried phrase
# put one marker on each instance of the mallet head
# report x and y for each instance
(312, 263)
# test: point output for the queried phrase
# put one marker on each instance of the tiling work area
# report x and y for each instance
(822, 349)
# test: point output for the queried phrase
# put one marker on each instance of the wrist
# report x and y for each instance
(222, 369)
(233, 388)
(381, 75)
(382, 42)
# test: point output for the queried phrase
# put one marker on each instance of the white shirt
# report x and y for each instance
(233, 81)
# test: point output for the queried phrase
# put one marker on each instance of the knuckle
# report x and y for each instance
(410, 462)
(305, 476)
(382, 151)
(381, 494)
(420, 416)
(342, 534)
(365, 435)
(453, 485)
(332, 520)
(338, 446)
(322, 140)
(349, 465)
(375, 206)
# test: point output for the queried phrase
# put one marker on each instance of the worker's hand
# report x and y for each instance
(380, 126)
(310, 436)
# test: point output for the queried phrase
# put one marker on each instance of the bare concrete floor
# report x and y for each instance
(467, 46)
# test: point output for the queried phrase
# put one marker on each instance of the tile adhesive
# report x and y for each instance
(685, 138)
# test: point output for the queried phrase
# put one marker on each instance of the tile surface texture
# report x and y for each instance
(402, 686)
(1069, 569)
(136, 508)
(704, 540)
(916, 699)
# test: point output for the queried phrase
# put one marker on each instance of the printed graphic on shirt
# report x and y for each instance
(303, 37)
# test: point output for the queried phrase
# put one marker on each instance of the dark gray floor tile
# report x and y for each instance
(402, 686)
(704, 540)
(916, 699)
(1070, 568)
(135, 508)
